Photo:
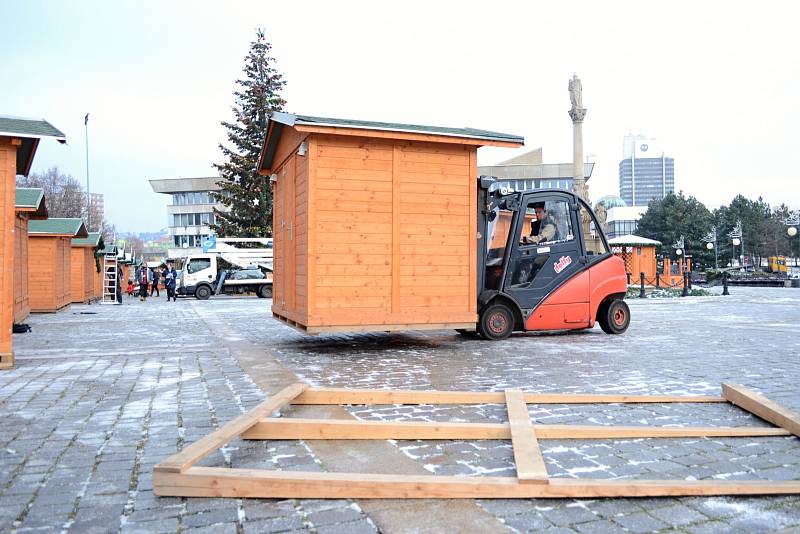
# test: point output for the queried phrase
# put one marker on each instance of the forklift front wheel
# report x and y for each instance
(614, 316)
(497, 322)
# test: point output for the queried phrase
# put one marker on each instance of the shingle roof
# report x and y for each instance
(31, 131)
(279, 119)
(28, 197)
(631, 239)
(68, 227)
(92, 239)
(22, 127)
(108, 248)
(471, 133)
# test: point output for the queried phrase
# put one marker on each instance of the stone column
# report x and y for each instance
(578, 179)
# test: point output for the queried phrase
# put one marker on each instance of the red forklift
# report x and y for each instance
(544, 264)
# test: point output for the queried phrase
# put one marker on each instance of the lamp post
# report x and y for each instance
(711, 243)
(738, 239)
(680, 251)
(793, 224)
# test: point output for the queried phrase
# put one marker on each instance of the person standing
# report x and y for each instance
(144, 281)
(170, 279)
(119, 284)
(154, 288)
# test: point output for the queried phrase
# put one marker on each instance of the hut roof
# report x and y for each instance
(92, 240)
(300, 121)
(58, 227)
(31, 131)
(631, 239)
(31, 200)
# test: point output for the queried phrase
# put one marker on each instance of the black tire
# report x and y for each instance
(202, 293)
(264, 292)
(496, 322)
(614, 316)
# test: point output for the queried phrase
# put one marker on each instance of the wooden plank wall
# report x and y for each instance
(8, 172)
(42, 280)
(64, 250)
(76, 274)
(22, 306)
(394, 232)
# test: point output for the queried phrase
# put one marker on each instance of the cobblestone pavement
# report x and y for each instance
(102, 393)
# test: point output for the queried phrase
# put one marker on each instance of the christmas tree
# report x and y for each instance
(247, 194)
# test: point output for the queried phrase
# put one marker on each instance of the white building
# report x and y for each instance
(190, 210)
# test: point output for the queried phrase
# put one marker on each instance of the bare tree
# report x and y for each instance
(66, 197)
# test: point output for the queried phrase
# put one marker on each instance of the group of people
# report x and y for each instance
(149, 279)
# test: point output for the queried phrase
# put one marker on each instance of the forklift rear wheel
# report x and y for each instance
(614, 316)
(497, 322)
(202, 293)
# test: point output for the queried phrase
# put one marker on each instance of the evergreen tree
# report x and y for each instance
(668, 219)
(249, 195)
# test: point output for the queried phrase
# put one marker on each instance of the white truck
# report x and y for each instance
(229, 266)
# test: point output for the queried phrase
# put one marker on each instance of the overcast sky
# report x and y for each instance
(716, 82)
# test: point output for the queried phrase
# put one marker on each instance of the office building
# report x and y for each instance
(645, 172)
(190, 211)
(527, 171)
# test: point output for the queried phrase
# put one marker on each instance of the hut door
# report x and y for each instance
(288, 229)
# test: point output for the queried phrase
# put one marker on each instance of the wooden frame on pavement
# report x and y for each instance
(178, 475)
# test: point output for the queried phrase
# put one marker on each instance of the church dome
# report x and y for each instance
(611, 201)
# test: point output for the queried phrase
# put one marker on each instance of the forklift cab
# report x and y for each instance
(546, 264)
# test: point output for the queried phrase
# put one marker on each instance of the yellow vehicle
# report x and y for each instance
(777, 264)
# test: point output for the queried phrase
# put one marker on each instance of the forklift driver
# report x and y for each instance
(543, 228)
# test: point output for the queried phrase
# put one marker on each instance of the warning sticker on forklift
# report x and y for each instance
(562, 263)
(542, 250)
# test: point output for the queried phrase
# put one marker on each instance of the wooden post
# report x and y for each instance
(8, 188)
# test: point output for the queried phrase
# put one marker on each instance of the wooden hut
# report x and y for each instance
(84, 271)
(50, 262)
(19, 139)
(639, 255)
(30, 205)
(374, 223)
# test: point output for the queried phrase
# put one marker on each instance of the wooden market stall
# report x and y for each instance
(19, 139)
(374, 223)
(50, 262)
(84, 269)
(30, 205)
(639, 255)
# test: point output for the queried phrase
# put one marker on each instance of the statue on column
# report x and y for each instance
(575, 90)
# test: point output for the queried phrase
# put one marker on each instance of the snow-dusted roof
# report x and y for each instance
(631, 239)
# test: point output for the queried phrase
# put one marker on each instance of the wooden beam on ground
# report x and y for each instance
(761, 406)
(290, 428)
(527, 454)
(199, 449)
(256, 483)
(371, 396)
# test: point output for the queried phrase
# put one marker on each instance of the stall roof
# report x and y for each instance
(58, 227)
(308, 123)
(631, 239)
(31, 131)
(92, 240)
(31, 200)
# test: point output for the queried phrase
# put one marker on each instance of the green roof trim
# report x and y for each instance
(28, 197)
(108, 248)
(69, 227)
(93, 239)
(22, 127)
(279, 119)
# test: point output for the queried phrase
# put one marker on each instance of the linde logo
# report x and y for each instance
(644, 148)
(562, 263)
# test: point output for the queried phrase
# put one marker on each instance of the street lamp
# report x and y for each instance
(792, 223)
(711, 244)
(738, 239)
